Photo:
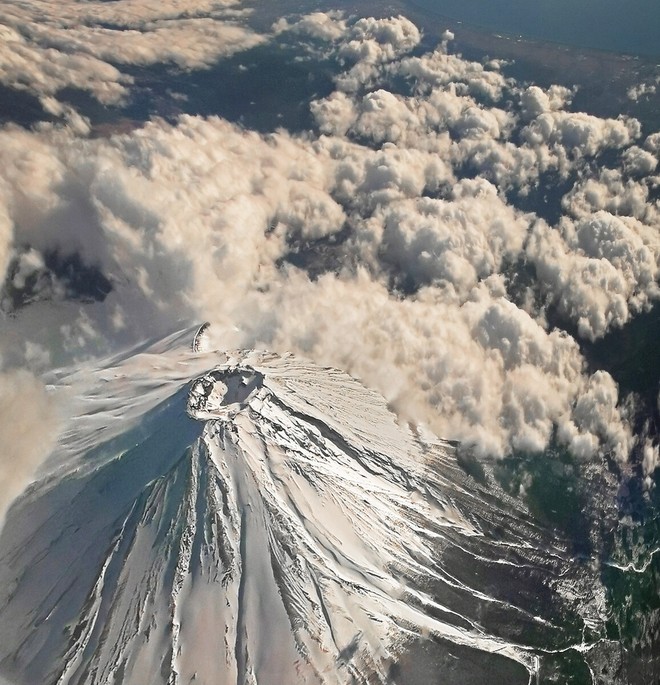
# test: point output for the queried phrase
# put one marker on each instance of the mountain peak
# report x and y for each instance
(267, 521)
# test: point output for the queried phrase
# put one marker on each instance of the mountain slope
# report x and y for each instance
(252, 518)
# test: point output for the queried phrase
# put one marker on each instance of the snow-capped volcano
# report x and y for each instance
(247, 518)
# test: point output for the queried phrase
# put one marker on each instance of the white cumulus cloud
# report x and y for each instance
(402, 260)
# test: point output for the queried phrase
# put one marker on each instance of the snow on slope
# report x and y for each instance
(251, 518)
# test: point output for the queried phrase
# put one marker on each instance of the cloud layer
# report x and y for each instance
(29, 426)
(49, 46)
(385, 242)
